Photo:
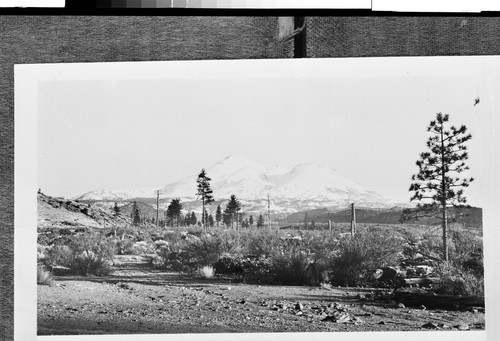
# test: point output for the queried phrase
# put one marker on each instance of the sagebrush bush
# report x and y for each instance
(124, 246)
(263, 243)
(171, 255)
(142, 248)
(58, 255)
(458, 281)
(364, 252)
(83, 254)
(290, 269)
(229, 264)
(209, 248)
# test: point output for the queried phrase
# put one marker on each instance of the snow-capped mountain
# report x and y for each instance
(306, 186)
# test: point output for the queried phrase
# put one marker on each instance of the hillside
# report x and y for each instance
(61, 213)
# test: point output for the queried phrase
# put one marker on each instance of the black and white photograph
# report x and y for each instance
(265, 196)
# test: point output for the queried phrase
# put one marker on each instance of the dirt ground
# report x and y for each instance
(138, 299)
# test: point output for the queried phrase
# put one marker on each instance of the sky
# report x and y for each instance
(365, 117)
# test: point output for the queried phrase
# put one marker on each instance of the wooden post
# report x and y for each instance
(157, 206)
(268, 212)
(353, 220)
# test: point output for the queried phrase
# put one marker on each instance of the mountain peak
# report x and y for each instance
(307, 185)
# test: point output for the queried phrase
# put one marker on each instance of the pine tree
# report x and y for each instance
(204, 192)
(187, 219)
(233, 208)
(211, 220)
(193, 219)
(260, 221)
(136, 214)
(218, 215)
(116, 210)
(227, 218)
(437, 186)
(250, 221)
(174, 211)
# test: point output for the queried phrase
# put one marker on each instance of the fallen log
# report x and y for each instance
(433, 301)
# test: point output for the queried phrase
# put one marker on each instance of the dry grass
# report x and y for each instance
(206, 272)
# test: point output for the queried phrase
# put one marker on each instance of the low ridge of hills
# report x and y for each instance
(470, 217)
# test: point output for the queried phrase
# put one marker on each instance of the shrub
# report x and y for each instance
(124, 246)
(290, 269)
(83, 254)
(141, 248)
(58, 255)
(208, 249)
(171, 255)
(228, 265)
(43, 276)
(263, 243)
(457, 281)
(363, 252)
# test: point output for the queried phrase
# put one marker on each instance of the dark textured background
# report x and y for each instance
(50, 39)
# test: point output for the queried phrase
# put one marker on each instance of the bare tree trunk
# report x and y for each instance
(268, 212)
(203, 214)
(157, 206)
(443, 201)
(353, 220)
(445, 235)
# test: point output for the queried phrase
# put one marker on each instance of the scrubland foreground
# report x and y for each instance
(120, 280)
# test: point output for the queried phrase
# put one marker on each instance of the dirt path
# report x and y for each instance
(138, 299)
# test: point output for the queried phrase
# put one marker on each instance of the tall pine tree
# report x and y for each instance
(438, 185)
(204, 192)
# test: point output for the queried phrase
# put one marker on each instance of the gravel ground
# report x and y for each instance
(138, 299)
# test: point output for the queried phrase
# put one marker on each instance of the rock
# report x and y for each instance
(430, 325)
(299, 306)
(443, 326)
(462, 326)
(422, 307)
(382, 323)
(299, 313)
(401, 306)
(342, 317)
